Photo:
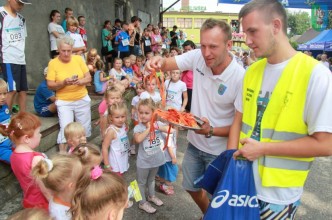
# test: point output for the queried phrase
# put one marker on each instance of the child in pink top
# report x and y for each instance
(24, 131)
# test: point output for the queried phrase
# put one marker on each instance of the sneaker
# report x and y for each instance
(132, 150)
(155, 200)
(147, 207)
(15, 109)
(130, 204)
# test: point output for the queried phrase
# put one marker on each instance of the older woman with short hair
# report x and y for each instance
(68, 76)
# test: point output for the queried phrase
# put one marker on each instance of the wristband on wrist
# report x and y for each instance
(107, 166)
(210, 133)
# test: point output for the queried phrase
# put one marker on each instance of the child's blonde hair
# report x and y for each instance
(31, 214)
(117, 107)
(3, 84)
(24, 123)
(73, 128)
(57, 172)
(92, 52)
(147, 102)
(116, 59)
(86, 152)
(92, 196)
(100, 65)
(125, 59)
(72, 21)
(113, 89)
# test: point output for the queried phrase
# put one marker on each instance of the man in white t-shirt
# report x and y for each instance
(324, 60)
(12, 58)
(286, 118)
(216, 85)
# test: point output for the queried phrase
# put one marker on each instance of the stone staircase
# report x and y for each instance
(10, 191)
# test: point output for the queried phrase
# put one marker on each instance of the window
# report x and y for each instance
(184, 23)
(199, 22)
(169, 22)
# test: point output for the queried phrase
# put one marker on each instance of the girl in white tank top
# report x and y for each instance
(115, 145)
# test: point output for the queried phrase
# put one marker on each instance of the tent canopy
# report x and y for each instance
(323, 41)
(308, 35)
(288, 3)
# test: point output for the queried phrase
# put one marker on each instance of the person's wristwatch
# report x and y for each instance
(210, 133)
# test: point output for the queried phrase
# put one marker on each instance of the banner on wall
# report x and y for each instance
(288, 3)
(319, 17)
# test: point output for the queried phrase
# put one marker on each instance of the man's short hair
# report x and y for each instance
(79, 17)
(270, 8)
(117, 20)
(135, 18)
(223, 25)
(68, 9)
(175, 27)
(189, 43)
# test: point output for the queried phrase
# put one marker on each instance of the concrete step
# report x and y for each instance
(9, 187)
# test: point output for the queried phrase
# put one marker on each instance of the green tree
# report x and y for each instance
(329, 23)
(298, 22)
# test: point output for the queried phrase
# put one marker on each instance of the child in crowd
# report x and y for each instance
(146, 42)
(138, 69)
(68, 13)
(44, 99)
(168, 172)
(122, 40)
(112, 96)
(75, 134)
(127, 67)
(159, 50)
(24, 132)
(5, 142)
(134, 115)
(100, 79)
(166, 54)
(60, 176)
(132, 59)
(150, 89)
(91, 59)
(166, 41)
(115, 145)
(175, 51)
(79, 46)
(99, 196)
(175, 91)
(89, 155)
(117, 72)
(81, 29)
(149, 55)
(150, 155)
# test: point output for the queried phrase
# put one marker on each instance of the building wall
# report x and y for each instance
(193, 33)
(95, 11)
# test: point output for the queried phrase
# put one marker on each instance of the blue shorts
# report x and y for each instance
(45, 112)
(168, 171)
(194, 165)
(16, 77)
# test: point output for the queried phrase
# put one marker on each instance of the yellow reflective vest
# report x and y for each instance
(282, 119)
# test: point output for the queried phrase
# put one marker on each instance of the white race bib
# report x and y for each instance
(125, 42)
(147, 43)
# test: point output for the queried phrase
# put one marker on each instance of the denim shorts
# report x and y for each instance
(194, 165)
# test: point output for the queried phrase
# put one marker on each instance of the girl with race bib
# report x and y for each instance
(150, 155)
(115, 145)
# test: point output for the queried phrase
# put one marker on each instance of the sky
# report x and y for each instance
(213, 6)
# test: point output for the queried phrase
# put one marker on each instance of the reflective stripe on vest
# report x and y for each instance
(282, 119)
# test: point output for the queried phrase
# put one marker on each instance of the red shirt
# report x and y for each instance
(21, 166)
(187, 78)
(82, 32)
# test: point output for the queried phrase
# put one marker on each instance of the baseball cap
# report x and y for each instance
(26, 2)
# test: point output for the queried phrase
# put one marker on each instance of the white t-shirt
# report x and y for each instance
(325, 63)
(317, 115)
(117, 75)
(214, 96)
(13, 37)
(78, 40)
(174, 93)
(155, 97)
(55, 27)
(59, 211)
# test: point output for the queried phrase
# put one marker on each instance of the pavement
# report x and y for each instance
(316, 200)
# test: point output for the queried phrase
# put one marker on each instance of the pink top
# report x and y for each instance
(187, 77)
(156, 39)
(102, 107)
(21, 165)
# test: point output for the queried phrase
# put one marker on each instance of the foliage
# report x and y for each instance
(329, 24)
(294, 44)
(298, 22)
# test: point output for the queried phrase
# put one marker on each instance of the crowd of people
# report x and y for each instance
(230, 92)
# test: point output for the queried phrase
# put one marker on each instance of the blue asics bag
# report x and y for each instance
(235, 196)
(209, 181)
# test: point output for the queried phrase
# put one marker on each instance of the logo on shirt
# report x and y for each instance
(222, 89)
(200, 71)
